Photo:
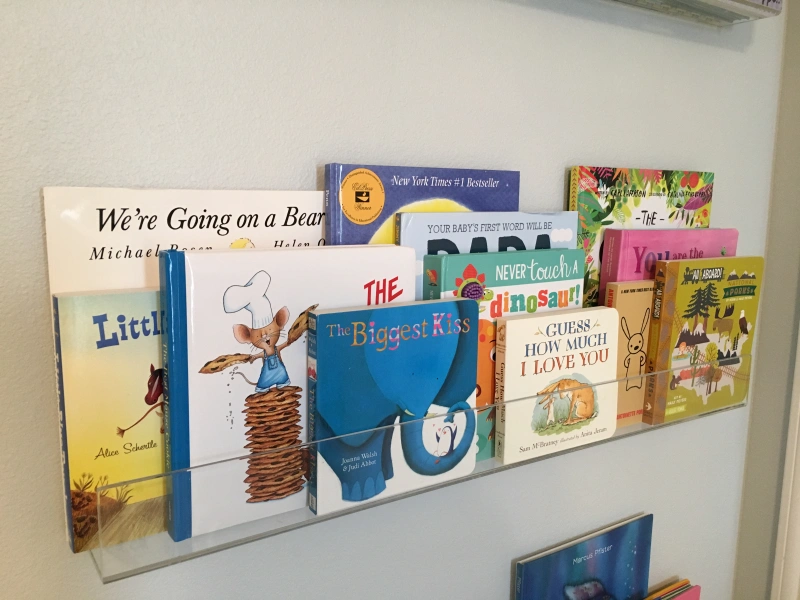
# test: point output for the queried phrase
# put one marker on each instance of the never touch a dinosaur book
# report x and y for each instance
(703, 324)
(552, 372)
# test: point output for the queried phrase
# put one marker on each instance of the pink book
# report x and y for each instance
(631, 254)
(693, 593)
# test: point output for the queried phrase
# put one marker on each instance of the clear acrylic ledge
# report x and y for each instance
(131, 533)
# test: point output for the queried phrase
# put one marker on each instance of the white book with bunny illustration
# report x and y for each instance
(549, 372)
(235, 371)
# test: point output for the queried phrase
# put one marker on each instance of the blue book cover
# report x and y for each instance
(362, 200)
(402, 378)
(610, 564)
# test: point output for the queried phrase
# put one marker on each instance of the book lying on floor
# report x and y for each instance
(474, 232)
(610, 563)
(404, 374)
(236, 369)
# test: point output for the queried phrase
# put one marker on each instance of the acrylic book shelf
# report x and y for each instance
(123, 547)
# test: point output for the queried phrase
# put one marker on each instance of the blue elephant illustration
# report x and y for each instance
(372, 392)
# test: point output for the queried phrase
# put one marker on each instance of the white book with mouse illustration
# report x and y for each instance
(235, 371)
(551, 372)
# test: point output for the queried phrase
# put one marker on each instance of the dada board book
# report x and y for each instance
(704, 319)
(633, 199)
(361, 200)
(612, 563)
(236, 369)
(556, 381)
(390, 437)
(519, 282)
(470, 233)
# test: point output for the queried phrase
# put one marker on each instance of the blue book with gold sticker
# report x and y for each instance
(361, 200)
(402, 379)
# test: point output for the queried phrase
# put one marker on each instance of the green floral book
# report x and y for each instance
(703, 324)
(633, 199)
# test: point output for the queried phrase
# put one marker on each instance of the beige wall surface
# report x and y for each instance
(257, 95)
(777, 340)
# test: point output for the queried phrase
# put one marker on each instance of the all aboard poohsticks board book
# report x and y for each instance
(109, 238)
(393, 368)
(633, 199)
(633, 301)
(236, 369)
(108, 362)
(631, 254)
(361, 200)
(519, 282)
(549, 372)
(609, 564)
(469, 233)
(704, 319)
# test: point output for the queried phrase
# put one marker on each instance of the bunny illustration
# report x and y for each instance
(548, 402)
(634, 362)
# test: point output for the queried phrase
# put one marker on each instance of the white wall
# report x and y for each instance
(238, 94)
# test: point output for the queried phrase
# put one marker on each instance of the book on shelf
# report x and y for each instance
(402, 379)
(473, 232)
(633, 199)
(680, 590)
(609, 563)
(703, 323)
(504, 283)
(631, 254)
(236, 369)
(633, 301)
(109, 238)
(361, 200)
(556, 385)
(108, 367)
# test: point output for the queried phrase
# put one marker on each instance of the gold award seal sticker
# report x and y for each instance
(362, 196)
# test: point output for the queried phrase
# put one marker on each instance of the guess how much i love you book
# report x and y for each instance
(361, 200)
(236, 378)
(504, 283)
(551, 375)
(404, 376)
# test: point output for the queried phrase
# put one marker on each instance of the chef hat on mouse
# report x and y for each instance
(252, 297)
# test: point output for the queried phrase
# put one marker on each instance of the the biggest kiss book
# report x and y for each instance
(361, 200)
(235, 343)
(395, 387)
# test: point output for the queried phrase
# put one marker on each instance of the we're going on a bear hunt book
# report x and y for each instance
(631, 254)
(612, 563)
(552, 376)
(361, 200)
(704, 320)
(633, 199)
(109, 238)
(404, 377)
(469, 233)
(633, 301)
(235, 344)
(108, 362)
(506, 283)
